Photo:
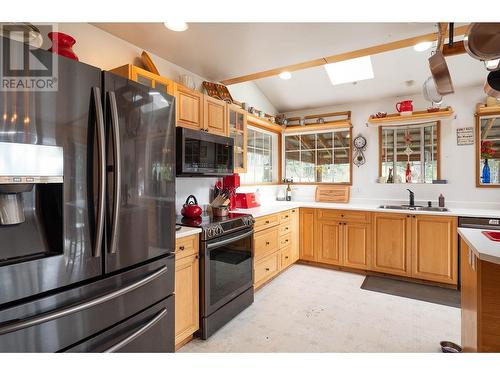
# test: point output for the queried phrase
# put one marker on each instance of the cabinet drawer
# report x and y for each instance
(266, 268)
(285, 228)
(285, 240)
(186, 246)
(285, 216)
(264, 222)
(286, 257)
(266, 242)
(358, 216)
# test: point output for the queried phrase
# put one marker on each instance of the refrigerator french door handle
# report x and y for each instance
(137, 333)
(117, 172)
(101, 145)
(59, 313)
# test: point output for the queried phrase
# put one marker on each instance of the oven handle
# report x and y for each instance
(59, 313)
(229, 240)
(137, 333)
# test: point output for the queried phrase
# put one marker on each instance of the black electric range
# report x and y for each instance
(226, 268)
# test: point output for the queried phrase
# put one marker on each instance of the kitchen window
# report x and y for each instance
(262, 160)
(409, 153)
(318, 157)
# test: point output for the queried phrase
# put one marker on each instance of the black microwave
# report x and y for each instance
(199, 153)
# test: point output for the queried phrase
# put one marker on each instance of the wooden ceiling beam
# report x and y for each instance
(386, 47)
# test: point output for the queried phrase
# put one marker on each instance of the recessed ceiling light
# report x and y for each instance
(285, 75)
(422, 46)
(176, 25)
(353, 70)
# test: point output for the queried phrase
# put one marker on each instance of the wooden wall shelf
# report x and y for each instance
(482, 110)
(263, 123)
(415, 118)
(318, 127)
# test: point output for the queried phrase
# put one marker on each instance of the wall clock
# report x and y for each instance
(359, 147)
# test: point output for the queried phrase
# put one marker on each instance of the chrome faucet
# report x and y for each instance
(412, 198)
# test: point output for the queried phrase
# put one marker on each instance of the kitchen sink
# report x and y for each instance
(413, 208)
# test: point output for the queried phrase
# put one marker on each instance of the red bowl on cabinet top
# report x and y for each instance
(494, 236)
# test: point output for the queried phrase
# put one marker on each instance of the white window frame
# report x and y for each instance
(283, 154)
(275, 166)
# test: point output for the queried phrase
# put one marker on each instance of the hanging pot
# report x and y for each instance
(438, 66)
(190, 208)
(482, 42)
(492, 84)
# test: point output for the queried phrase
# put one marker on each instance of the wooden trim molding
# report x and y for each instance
(373, 50)
(483, 111)
(341, 124)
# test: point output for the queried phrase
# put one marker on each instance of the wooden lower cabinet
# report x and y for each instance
(357, 241)
(480, 302)
(328, 242)
(307, 234)
(391, 244)
(266, 268)
(186, 293)
(434, 248)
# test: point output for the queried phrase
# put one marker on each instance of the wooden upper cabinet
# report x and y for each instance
(307, 234)
(146, 78)
(391, 244)
(434, 248)
(329, 241)
(357, 240)
(189, 108)
(215, 116)
(237, 128)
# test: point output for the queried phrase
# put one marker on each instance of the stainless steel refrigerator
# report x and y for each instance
(87, 214)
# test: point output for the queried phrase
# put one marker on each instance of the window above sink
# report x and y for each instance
(409, 153)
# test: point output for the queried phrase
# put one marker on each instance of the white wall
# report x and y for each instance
(457, 162)
(249, 92)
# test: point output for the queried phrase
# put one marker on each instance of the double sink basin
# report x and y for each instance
(413, 208)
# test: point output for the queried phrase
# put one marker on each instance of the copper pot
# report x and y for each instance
(438, 66)
(492, 84)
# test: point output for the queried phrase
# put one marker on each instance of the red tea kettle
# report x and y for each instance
(191, 208)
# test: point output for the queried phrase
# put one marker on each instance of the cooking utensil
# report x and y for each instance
(220, 211)
(430, 92)
(492, 84)
(190, 208)
(482, 42)
(450, 347)
(438, 66)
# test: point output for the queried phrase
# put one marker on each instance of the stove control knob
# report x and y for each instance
(219, 230)
(210, 232)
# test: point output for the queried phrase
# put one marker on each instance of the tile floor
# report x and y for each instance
(310, 309)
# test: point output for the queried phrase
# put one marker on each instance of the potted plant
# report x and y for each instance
(487, 152)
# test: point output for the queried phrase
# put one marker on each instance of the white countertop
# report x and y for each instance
(186, 231)
(482, 246)
(278, 206)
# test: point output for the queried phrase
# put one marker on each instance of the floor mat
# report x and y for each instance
(428, 293)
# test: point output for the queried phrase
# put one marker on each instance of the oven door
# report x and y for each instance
(227, 269)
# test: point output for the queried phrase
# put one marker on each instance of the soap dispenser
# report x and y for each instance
(441, 200)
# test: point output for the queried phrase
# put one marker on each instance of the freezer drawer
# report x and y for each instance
(59, 321)
(151, 331)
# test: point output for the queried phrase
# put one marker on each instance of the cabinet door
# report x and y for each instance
(329, 242)
(307, 234)
(295, 225)
(215, 116)
(186, 297)
(391, 244)
(469, 298)
(357, 245)
(189, 108)
(152, 80)
(434, 249)
(237, 124)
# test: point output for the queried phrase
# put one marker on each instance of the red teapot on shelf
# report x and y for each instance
(404, 106)
(190, 208)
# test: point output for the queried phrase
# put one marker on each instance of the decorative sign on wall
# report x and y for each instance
(465, 136)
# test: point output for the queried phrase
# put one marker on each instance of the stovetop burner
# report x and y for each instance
(214, 226)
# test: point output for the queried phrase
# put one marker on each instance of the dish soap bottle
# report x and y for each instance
(441, 200)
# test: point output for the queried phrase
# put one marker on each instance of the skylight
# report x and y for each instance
(353, 70)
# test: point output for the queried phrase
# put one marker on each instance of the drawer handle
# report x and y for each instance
(286, 257)
(286, 216)
(286, 240)
(286, 228)
(267, 221)
(342, 215)
(267, 269)
(196, 257)
(181, 248)
(267, 243)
